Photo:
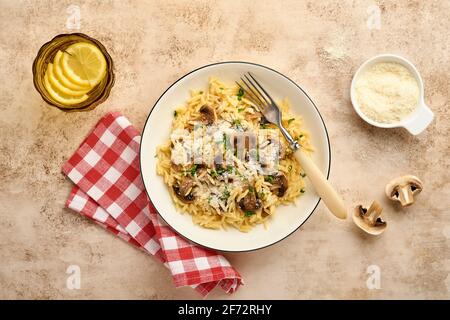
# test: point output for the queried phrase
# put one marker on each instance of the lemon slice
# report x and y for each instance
(84, 64)
(59, 74)
(61, 97)
(55, 83)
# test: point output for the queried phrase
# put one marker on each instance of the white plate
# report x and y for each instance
(288, 218)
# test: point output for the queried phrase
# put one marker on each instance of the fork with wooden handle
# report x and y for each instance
(259, 96)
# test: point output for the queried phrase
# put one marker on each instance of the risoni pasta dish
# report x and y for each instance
(224, 164)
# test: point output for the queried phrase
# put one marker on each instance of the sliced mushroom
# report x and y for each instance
(244, 145)
(369, 220)
(250, 202)
(279, 185)
(403, 189)
(207, 114)
(184, 189)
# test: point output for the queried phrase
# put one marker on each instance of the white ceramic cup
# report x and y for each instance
(415, 122)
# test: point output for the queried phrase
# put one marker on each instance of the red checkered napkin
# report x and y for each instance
(109, 190)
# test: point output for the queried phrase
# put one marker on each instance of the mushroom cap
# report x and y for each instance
(183, 190)
(250, 202)
(280, 184)
(403, 189)
(369, 220)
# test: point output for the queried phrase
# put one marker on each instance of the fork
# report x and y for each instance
(259, 96)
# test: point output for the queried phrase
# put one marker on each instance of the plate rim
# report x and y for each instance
(237, 62)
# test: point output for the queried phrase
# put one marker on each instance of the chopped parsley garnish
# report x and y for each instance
(249, 213)
(263, 125)
(302, 190)
(221, 88)
(303, 174)
(175, 113)
(237, 124)
(201, 92)
(298, 137)
(240, 109)
(269, 178)
(261, 195)
(251, 189)
(290, 120)
(240, 94)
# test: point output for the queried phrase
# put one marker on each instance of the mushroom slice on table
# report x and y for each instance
(403, 189)
(207, 114)
(369, 220)
(184, 190)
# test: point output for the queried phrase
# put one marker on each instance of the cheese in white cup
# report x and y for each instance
(387, 92)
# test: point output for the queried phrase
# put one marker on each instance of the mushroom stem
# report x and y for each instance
(405, 196)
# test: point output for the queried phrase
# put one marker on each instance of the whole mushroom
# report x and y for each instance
(403, 189)
(369, 220)
(279, 185)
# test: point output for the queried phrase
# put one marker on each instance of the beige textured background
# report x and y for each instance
(318, 44)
